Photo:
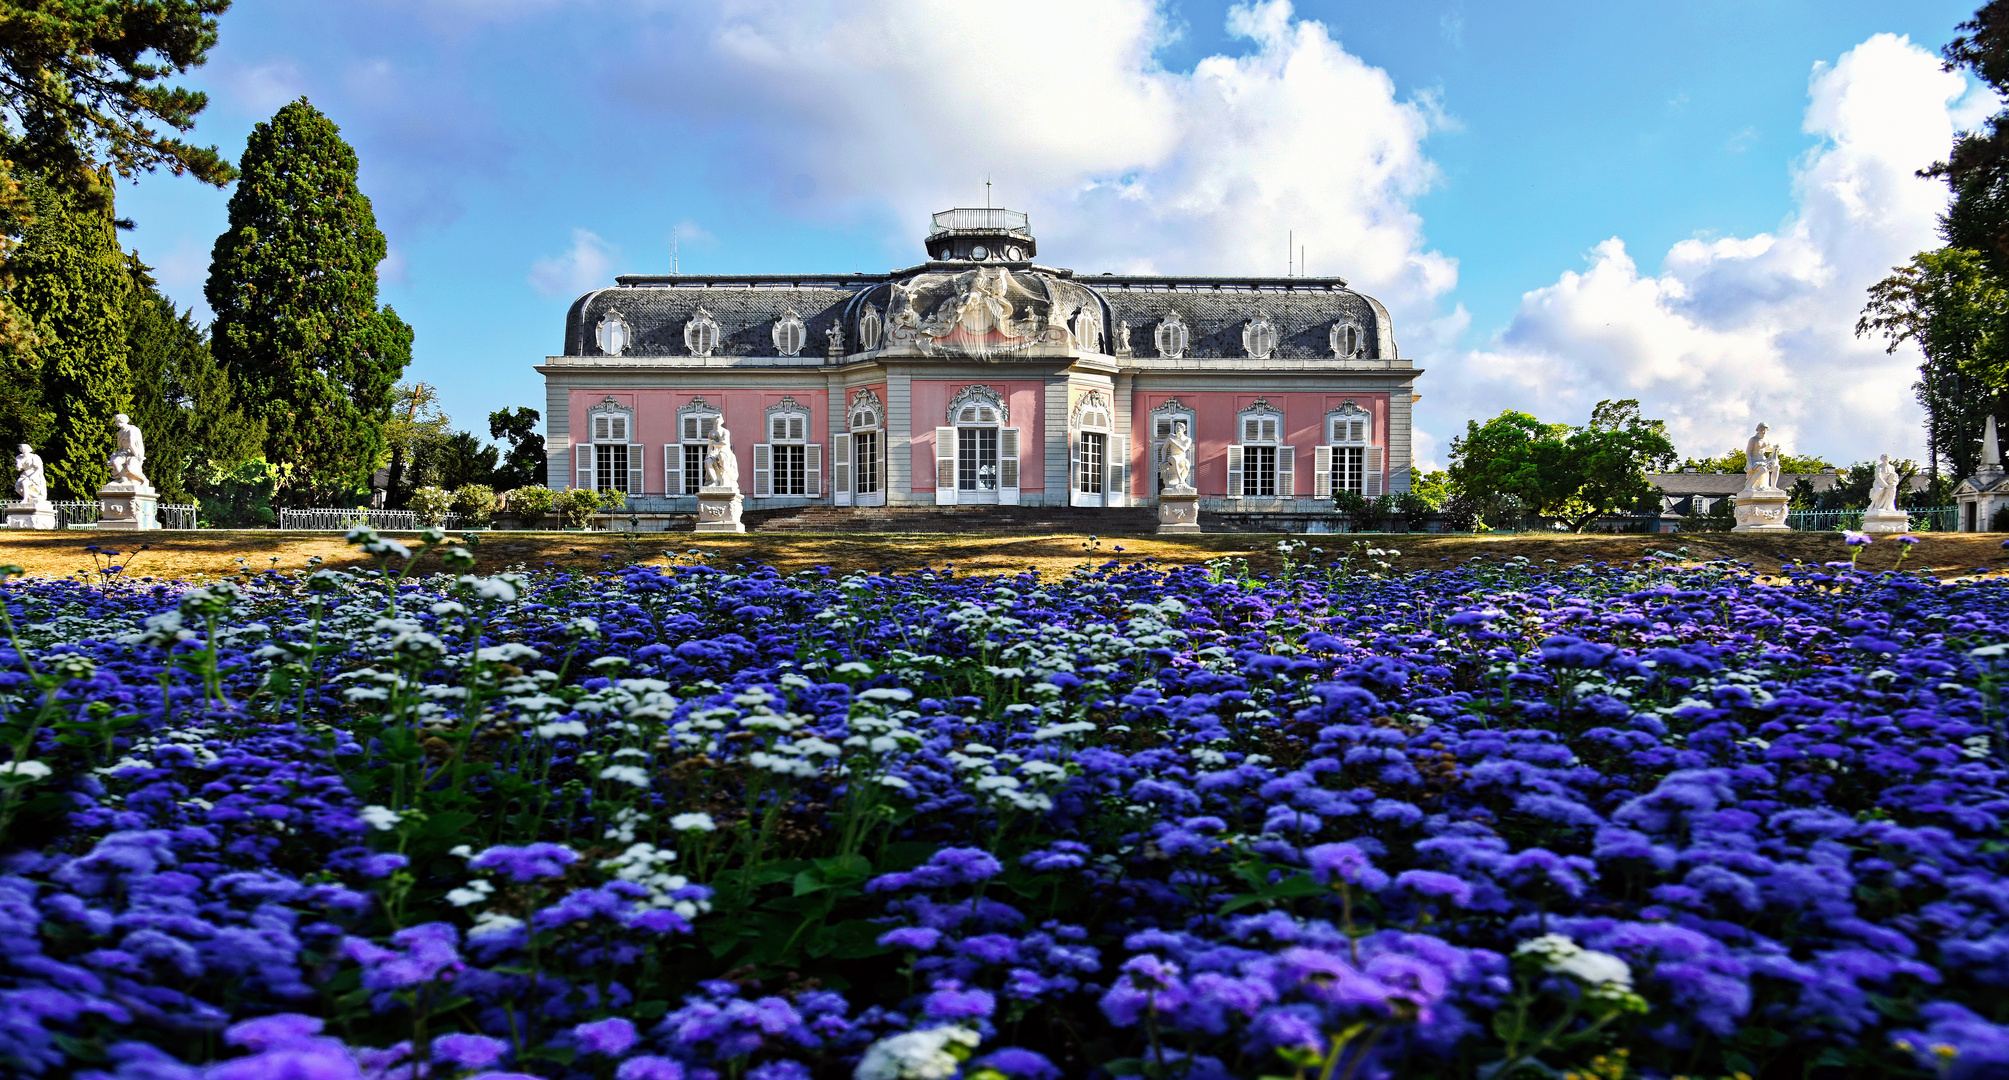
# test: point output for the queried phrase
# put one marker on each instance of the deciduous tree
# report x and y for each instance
(1954, 308)
(191, 411)
(293, 283)
(1576, 474)
(524, 463)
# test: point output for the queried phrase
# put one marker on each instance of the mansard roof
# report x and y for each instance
(746, 308)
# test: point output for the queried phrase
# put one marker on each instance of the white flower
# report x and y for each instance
(562, 727)
(492, 922)
(693, 823)
(491, 588)
(33, 770)
(1595, 968)
(626, 774)
(915, 1055)
(885, 693)
(474, 892)
(853, 667)
(381, 818)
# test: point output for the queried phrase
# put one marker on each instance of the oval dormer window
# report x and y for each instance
(789, 334)
(980, 253)
(1170, 336)
(612, 334)
(869, 327)
(701, 334)
(1259, 337)
(1014, 253)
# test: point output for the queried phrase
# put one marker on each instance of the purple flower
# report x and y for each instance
(272, 1032)
(919, 938)
(951, 1002)
(526, 863)
(468, 1051)
(649, 1067)
(1345, 862)
(313, 1059)
(1855, 539)
(1019, 1064)
(428, 953)
(612, 1037)
(1431, 883)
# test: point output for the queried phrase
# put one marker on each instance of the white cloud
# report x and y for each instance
(587, 265)
(888, 111)
(1738, 330)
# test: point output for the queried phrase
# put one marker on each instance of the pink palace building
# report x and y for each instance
(980, 377)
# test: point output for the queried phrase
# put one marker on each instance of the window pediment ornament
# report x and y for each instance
(1091, 410)
(701, 333)
(786, 404)
(1346, 340)
(1261, 422)
(866, 409)
(789, 334)
(1171, 336)
(976, 401)
(1259, 337)
(612, 334)
(1348, 425)
(610, 421)
(870, 326)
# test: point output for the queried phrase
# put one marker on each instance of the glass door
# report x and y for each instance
(976, 464)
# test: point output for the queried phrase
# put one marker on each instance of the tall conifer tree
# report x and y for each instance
(72, 283)
(293, 284)
(184, 400)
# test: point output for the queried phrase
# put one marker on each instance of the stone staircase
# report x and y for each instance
(1003, 520)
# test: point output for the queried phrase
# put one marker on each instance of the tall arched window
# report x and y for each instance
(684, 460)
(1259, 465)
(1162, 419)
(787, 463)
(1347, 462)
(609, 459)
(856, 469)
(1098, 456)
(976, 453)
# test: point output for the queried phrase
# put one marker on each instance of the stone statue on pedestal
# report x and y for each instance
(1175, 471)
(1761, 463)
(1883, 490)
(1761, 506)
(721, 466)
(129, 453)
(32, 484)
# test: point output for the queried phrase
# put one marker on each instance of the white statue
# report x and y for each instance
(1175, 470)
(129, 453)
(32, 485)
(1883, 491)
(1761, 463)
(721, 467)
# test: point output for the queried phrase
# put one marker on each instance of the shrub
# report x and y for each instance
(578, 505)
(2000, 522)
(1352, 504)
(530, 503)
(241, 498)
(475, 503)
(431, 504)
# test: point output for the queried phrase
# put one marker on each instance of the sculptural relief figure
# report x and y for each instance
(1761, 463)
(721, 467)
(32, 485)
(1883, 491)
(1176, 468)
(128, 454)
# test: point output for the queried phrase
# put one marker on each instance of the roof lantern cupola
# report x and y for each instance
(973, 234)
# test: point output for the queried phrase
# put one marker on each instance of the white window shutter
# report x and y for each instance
(635, 468)
(1252, 430)
(763, 470)
(1372, 479)
(812, 470)
(1269, 431)
(692, 429)
(1286, 472)
(1074, 495)
(1008, 466)
(796, 430)
(1321, 472)
(945, 466)
(840, 470)
(1234, 472)
(600, 427)
(673, 469)
(584, 453)
(1117, 489)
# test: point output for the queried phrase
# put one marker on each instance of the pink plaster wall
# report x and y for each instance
(745, 413)
(930, 410)
(1215, 413)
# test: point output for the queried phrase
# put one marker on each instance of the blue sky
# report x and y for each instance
(1560, 201)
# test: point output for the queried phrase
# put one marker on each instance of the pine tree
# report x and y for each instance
(293, 284)
(187, 404)
(72, 283)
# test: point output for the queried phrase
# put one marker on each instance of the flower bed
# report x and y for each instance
(649, 824)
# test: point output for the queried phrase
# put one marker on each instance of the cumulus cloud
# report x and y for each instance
(588, 264)
(888, 111)
(1733, 331)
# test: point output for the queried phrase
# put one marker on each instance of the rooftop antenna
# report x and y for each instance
(1290, 245)
(987, 191)
(674, 269)
(1300, 261)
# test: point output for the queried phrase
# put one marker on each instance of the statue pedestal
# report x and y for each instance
(1886, 521)
(127, 507)
(40, 514)
(1761, 510)
(718, 510)
(1179, 510)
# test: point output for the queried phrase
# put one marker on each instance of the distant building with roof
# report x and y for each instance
(981, 377)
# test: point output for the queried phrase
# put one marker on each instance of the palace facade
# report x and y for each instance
(980, 376)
